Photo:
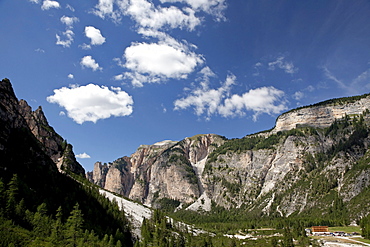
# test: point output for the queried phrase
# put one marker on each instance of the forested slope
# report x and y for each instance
(40, 206)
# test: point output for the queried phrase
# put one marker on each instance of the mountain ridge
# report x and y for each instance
(253, 172)
(18, 114)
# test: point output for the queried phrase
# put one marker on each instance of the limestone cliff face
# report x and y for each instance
(98, 175)
(16, 114)
(162, 170)
(321, 115)
(311, 155)
(41, 129)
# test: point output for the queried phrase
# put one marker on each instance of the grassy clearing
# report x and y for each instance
(346, 229)
(367, 241)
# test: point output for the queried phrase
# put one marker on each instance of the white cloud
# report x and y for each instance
(146, 14)
(40, 50)
(48, 4)
(206, 101)
(89, 62)
(213, 7)
(95, 35)
(280, 63)
(68, 20)
(85, 46)
(154, 62)
(34, 1)
(68, 38)
(351, 86)
(70, 76)
(119, 77)
(83, 156)
(92, 102)
(70, 8)
(332, 77)
(310, 88)
(168, 58)
(298, 95)
(104, 8)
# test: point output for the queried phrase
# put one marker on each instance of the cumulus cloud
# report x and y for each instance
(154, 62)
(67, 40)
(67, 37)
(207, 101)
(70, 76)
(213, 7)
(146, 14)
(48, 4)
(94, 35)
(83, 156)
(105, 8)
(69, 21)
(280, 63)
(92, 102)
(89, 62)
(267, 100)
(168, 58)
(298, 95)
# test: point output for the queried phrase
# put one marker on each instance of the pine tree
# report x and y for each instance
(11, 194)
(41, 222)
(57, 228)
(74, 224)
(20, 210)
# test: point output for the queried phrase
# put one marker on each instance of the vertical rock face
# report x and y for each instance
(41, 129)
(16, 114)
(98, 175)
(162, 170)
(323, 114)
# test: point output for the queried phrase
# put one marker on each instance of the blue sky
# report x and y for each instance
(111, 75)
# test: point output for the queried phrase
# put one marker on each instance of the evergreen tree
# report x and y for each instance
(41, 222)
(57, 228)
(365, 226)
(11, 194)
(20, 210)
(119, 244)
(73, 231)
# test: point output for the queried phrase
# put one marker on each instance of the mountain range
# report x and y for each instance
(316, 158)
(313, 165)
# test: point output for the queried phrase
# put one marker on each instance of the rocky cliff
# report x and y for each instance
(18, 116)
(323, 114)
(313, 154)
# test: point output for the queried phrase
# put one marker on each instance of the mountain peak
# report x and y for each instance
(16, 115)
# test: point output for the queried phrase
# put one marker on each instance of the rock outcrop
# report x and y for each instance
(323, 114)
(18, 116)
